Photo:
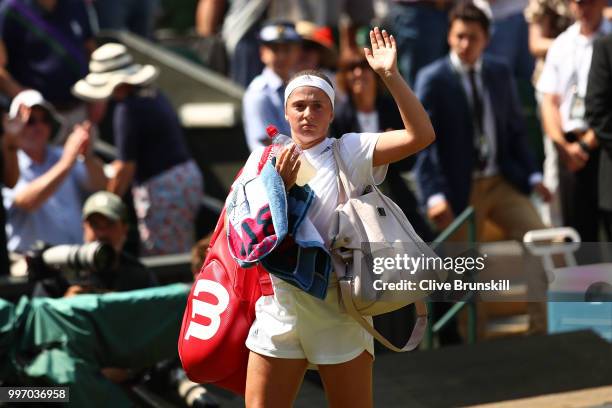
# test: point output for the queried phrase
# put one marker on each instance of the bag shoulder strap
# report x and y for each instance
(418, 331)
(344, 184)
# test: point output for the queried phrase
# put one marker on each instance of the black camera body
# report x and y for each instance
(81, 263)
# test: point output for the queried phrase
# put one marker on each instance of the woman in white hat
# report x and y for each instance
(293, 329)
(152, 153)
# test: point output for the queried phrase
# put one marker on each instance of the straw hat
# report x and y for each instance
(110, 66)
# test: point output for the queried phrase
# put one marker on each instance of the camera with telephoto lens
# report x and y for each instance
(73, 262)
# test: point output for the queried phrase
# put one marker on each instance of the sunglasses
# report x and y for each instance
(34, 120)
(356, 64)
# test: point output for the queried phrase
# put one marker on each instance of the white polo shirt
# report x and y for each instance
(566, 72)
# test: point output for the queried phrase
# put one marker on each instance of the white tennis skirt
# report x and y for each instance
(293, 324)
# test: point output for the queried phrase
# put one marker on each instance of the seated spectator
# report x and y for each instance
(9, 169)
(563, 84)
(105, 219)
(262, 103)
(480, 157)
(45, 204)
(45, 45)
(152, 152)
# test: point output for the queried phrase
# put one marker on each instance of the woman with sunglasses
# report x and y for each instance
(293, 329)
(45, 203)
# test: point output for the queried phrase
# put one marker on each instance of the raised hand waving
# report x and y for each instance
(382, 57)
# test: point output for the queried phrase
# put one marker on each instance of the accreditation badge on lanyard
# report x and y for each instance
(577, 106)
(577, 109)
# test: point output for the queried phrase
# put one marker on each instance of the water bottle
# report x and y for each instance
(306, 171)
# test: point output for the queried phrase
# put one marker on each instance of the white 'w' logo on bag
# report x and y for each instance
(212, 312)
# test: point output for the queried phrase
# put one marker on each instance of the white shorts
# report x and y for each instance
(293, 324)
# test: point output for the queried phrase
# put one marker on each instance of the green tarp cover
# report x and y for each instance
(67, 341)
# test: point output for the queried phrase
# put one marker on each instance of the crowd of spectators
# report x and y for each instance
(464, 60)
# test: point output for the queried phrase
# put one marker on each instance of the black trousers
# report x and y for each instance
(579, 198)
(607, 223)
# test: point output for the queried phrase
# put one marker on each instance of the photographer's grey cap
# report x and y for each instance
(107, 204)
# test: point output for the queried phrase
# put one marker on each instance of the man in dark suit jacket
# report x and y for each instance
(480, 157)
(599, 115)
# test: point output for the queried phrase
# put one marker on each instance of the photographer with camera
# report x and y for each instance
(105, 220)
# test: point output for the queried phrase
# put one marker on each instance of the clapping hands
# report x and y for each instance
(78, 143)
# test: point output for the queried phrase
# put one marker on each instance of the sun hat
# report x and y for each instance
(110, 66)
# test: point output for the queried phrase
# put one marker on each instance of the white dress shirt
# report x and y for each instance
(567, 69)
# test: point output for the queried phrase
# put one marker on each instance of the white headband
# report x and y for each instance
(310, 80)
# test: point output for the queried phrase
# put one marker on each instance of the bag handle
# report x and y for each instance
(418, 331)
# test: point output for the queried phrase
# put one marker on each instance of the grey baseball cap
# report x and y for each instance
(107, 204)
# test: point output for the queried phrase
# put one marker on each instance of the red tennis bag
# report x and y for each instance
(219, 313)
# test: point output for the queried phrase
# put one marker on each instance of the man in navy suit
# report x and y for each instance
(480, 157)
